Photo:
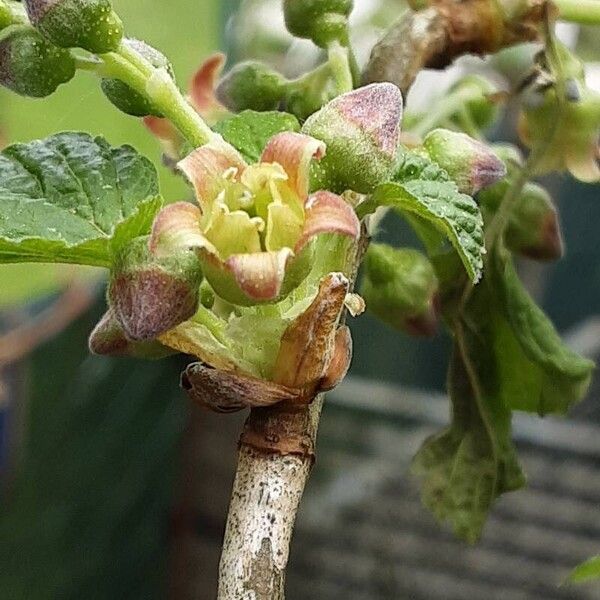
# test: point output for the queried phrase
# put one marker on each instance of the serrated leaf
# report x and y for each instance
(72, 198)
(467, 466)
(443, 208)
(586, 571)
(540, 373)
(249, 131)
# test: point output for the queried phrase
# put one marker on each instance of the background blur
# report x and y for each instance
(114, 486)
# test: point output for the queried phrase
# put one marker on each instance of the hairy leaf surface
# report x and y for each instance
(72, 198)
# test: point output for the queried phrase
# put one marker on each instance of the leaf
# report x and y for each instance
(442, 207)
(249, 131)
(540, 373)
(72, 198)
(586, 571)
(467, 466)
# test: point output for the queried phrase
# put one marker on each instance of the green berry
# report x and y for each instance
(251, 85)
(89, 24)
(401, 289)
(322, 21)
(127, 99)
(32, 66)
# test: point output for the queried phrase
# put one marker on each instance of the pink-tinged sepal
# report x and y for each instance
(176, 227)
(150, 295)
(109, 339)
(326, 212)
(294, 152)
(202, 88)
(361, 130)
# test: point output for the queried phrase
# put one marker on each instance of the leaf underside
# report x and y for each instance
(72, 198)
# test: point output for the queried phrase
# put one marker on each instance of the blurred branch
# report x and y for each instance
(21, 341)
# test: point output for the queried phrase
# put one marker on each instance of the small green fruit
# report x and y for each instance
(151, 295)
(127, 99)
(471, 164)
(251, 85)
(362, 132)
(322, 21)
(89, 24)
(400, 288)
(32, 66)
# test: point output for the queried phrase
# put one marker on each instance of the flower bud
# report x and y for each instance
(400, 288)
(32, 66)
(127, 99)
(322, 21)
(471, 164)
(89, 24)
(533, 229)
(477, 90)
(251, 85)
(150, 295)
(361, 130)
(108, 339)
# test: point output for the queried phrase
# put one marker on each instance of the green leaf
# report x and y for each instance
(467, 466)
(440, 206)
(586, 571)
(540, 373)
(72, 198)
(249, 131)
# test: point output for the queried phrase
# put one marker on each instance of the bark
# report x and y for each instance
(275, 459)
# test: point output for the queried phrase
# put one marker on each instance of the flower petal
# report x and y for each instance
(284, 227)
(177, 226)
(168, 135)
(207, 168)
(203, 84)
(232, 232)
(326, 212)
(294, 151)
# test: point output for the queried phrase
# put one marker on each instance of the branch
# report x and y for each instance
(264, 501)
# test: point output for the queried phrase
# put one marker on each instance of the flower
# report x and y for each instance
(254, 228)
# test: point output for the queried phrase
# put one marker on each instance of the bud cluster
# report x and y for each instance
(89, 24)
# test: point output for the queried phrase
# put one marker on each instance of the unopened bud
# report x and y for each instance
(361, 130)
(108, 339)
(533, 229)
(322, 21)
(127, 99)
(401, 289)
(89, 24)
(32, 66)
(470, 164)
(150, 295)
(251, 85)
